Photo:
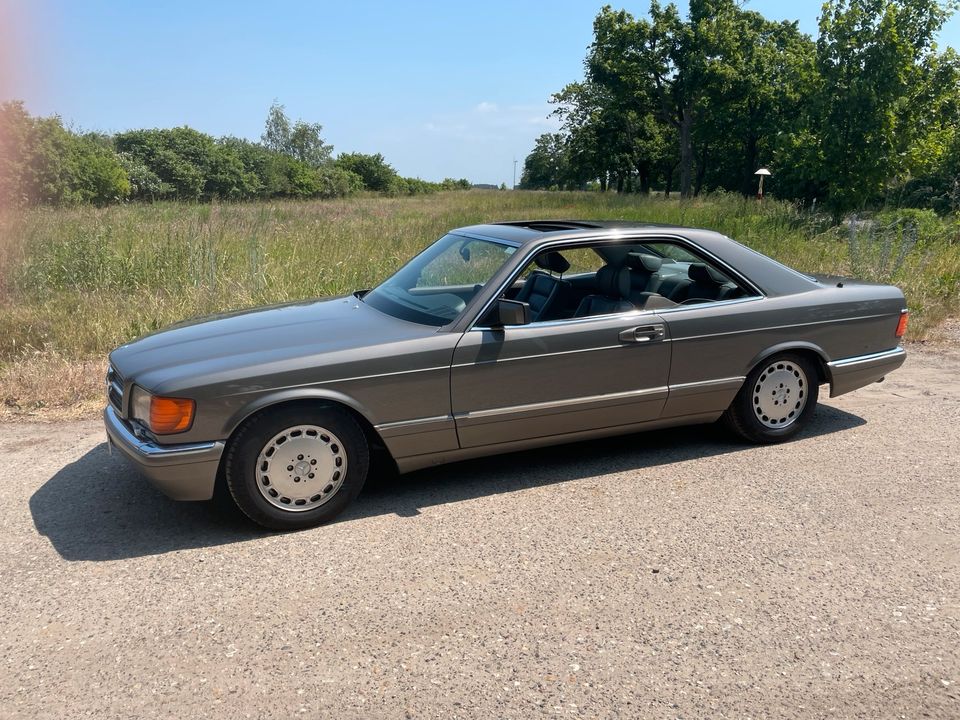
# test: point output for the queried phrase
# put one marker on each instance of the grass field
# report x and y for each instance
(76, 282)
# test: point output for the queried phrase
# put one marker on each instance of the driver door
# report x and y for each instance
(559, 377)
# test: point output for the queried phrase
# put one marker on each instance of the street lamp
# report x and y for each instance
(762, 172)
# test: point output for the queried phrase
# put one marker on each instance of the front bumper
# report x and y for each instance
(861, 370)
(183, 472)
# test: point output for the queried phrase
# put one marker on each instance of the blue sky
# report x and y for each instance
(442, 89)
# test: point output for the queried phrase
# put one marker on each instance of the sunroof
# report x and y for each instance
(550, 225)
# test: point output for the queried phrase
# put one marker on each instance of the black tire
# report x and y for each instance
(742, 419)
(240, 464)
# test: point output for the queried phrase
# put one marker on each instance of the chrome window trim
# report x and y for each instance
(708, 304)
(627, 315)
(607, 239)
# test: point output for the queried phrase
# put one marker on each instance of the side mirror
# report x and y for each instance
(511, 312)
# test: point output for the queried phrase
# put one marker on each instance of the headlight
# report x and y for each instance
(163, 415)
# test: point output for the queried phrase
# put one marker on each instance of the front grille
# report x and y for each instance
(115, 389)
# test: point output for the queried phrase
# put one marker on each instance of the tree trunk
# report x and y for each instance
(701, 169)
(668, 177)
(619, 183)
(643, 173)
(603, 182)
(686, 152)
(748, 186)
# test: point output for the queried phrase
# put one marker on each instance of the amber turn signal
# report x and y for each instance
(902, 325)
(171, 415)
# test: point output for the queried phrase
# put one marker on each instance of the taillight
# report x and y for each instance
(902, 325)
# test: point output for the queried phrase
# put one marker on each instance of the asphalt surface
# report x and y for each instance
(671, 574)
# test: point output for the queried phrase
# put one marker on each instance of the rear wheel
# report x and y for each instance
(298, 466)
(776, 401)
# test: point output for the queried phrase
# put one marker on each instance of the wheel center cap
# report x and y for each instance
(302, 467)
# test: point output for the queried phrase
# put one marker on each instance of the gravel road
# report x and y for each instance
(672, 574)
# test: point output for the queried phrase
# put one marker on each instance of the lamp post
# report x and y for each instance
(762, 172)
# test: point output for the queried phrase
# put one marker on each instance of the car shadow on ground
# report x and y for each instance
(98, 508)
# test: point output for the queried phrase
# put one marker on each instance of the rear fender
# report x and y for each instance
(794, 346)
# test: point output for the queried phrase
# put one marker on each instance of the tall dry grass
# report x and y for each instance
(76, 282)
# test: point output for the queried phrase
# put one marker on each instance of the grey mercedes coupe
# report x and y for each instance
(495, 338)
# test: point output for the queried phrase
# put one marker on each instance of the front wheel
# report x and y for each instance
(776, 400)
(297, 467)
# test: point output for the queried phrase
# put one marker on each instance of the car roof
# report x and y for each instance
(525, 231)
(767, 274)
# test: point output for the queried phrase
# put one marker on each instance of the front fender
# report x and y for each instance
(292, 394)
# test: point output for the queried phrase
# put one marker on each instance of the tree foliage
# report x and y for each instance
(866, 113)
(43, 162)
(299, 140)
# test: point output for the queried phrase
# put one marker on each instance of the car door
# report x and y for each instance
(559, 377)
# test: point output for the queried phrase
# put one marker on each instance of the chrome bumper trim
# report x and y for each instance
(871, 359)
(151, 453)
(859, 371)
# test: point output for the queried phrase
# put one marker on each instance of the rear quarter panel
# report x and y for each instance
(727, 340)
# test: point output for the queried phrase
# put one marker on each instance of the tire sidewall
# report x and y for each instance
(244, 450)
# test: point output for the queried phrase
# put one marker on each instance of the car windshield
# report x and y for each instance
(435, 286)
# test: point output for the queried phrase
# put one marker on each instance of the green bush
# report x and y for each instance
(43, 162)
(377, 175)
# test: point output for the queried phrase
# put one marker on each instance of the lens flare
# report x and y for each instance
(19, 81)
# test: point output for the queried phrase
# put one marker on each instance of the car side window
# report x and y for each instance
(685, 278)
(572, 283)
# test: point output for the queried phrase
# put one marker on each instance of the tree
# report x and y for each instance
(546, 166)
(377, 175)
(191, 165)
(43, 162)
(871, 58)
(708, 94)
(299, 140)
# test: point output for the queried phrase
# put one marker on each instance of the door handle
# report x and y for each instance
(642, 334)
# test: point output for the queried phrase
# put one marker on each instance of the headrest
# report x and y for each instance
(704, 274)
(613, 281)
(642, 261)
(552, 261)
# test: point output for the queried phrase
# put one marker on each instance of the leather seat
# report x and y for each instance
(644, 276)
(543, 292)
(613, 285)
(702, 283)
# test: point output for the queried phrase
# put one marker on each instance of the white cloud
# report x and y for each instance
(488, 121)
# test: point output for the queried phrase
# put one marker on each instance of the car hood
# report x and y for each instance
(272, 339)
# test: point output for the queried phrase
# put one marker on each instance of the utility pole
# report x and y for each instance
(514, 173)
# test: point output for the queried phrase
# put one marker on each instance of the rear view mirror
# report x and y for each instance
(512, 312)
